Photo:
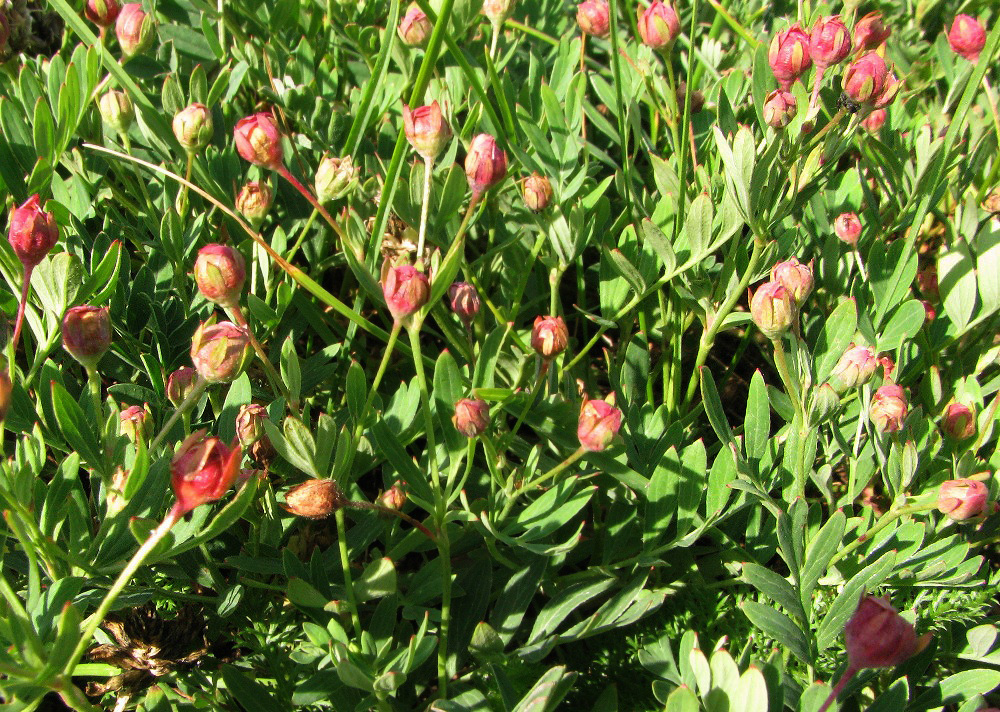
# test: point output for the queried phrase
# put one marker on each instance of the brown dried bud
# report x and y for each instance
(314, 499)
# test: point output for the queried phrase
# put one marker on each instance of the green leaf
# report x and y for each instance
(821, 549)
(779, 627)
(251, 695)
(682, 700)
(757, 425)
(752, 695)
(846, 602)
(660, 498)
(76, 427)
(654, 237)
(356, 390)
(837, 334)
(377, 581)
(713, 408)
(776, 588)
(903, 325)
(693, 473)
(291, 371)
(626, 270)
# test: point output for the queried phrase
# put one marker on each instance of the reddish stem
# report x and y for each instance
(20, 307)
(402, 515)
(307, 194)
(838, 688)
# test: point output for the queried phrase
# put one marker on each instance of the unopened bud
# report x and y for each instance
(314, 499)
(472, 417)
(254, 201)
(394, 497)
(258, 140)
(220, 351)
(116, 493)
(780, 108)
(967, 37)
(788, 55)
(426, 129)
(406, 290)
(773, 310)
(829, 42)
(485, 164)
(825, 401)
(102, 13)
(415, 27)
(888, 408)
(959, 422)
(889, 91)
(117, 110)
(335, 178)
(180, 385)
(962, 499)
(864, 80)
(658, 25)
(927, 281)
(992, 202)
(220, 272)
(193, 127)
(33, 232)
(251, 434)
(497, 11)
(598, 424)
(876, 636)
(135, 29)
(136, 422)
(594, 18)
(854, 369)
(464, 301)
(537, 192)
(86, 333)
(796, 277)
(549, 336)
(870, 32)
(202, 469)
(874, 122)
(847, 227)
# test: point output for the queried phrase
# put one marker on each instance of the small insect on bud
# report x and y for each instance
(258, 140)
(876, 636)
(180, 384)
(102, 13)
(888, 408)
(252, 436)
(962, 499)
(472, 417)
(796, 277)
(193, 127)
(117, 110)
(549, 336)
(658, 25)
(598, 424)
(829, 42)
(415, 27)
(406, 290)
(959, 422)
(220, 272)
(135, 29)
(136, 422)
(464, 301)
(202, 469)
(865, 79)
(870, 32)
(773, 310)
(485, 164)
(336, 178)
(780, 108)
(254, 201)
(86, 334)
(874, 122)
(314, 499)
(594, 18)
(537, 192)
(220, 351)
(967, 37)
(33, 232)
(788, 55)
(426, 129)
(854, 369)
(847, 227)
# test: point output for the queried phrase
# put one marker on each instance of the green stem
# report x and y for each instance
(528, 405)
(791, 384)
(425, 406)
(199, 387)
(444, 554)
(885, 520)
(428, 171)
(389, 347)
(345, 568)
(538, 481)
(302, 235)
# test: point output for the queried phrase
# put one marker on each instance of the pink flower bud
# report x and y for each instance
(773, 310)
(829, 42)
(258, 140)
(874, 122)
(498, 10)
(135, 422)
(5, 389)
(472, 417)
(415, 27)
(180, 383)
(485, 164)
(193, 127)
(598, 424)
(854, 369)
(789, 55)
(102, 13)
(33, 232)
(870, 32)
(594, 18)
(930, 313)
(549, 336)
(202, 469)
(426, 129)
(959, 422)
(86, 333)
(659, 25)
(780, 108)
(889, 91)
(314, 499)
(864, 80)
(117, 110)
(847, 227)
(794, 276)
(134, 29)
(888, 408)
(464, 301)
(254, 201)
(967, 37)
(962, 499)
(251, 434)
(406, 290)
(220, 272)
(220, 351)
(888, 366)
(878, 637)
(394, 497)
(537, 192)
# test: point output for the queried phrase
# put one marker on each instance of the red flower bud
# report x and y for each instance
(406, 290)
(86, 333)
(594, 18)
(464, 301)
(251, 434)
(658, 25)
(773, 310)
(5, 389)
(874, 122)
(878, 637)
(33, 232)
(864, 80)
(794, 276)
(959, 422)
(193, 127)
(789, 55)
(830, 42)
(889, 91)
(180, 383)
(855, 368)
(888, 408)
(929, 312)
(780, 108)
(314, 499)
(415, 27)
(870, 32)
(394, 497)
(426, 129)
(134, 29)
(967, 37)
(537, 192)
(847, 227)
(220, 272)
(549, 336)
(254, 201)
(101, 12)
(598, 424)
(202, 469)
(485, 164)
(136, 422)
(472, 417)
(220, 351)
(258, 140)
(962, 499)
(888, 366)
